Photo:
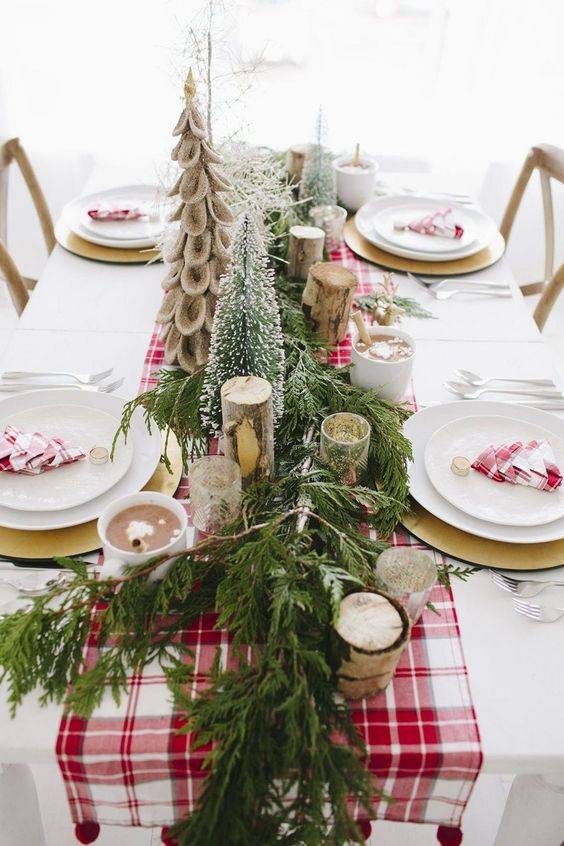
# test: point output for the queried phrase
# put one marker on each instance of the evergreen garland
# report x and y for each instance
(246, 336)
(277, 775)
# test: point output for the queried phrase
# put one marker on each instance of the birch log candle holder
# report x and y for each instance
(327, 299)
(373, 630)
(295, 158)
(305, 247)
(246, 407)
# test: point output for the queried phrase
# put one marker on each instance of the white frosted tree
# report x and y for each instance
(317, 186)
(246, 336)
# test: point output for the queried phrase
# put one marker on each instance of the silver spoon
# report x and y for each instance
(477, 380)
(461, 389)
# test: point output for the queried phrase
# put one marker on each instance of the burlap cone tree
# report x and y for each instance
(199, 255)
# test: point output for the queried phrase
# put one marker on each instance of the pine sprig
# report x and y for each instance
(172, 405)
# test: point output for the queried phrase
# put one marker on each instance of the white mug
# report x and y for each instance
(389, 378)
(355, 186)
(116, 560)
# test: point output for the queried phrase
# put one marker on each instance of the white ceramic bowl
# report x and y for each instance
(115, 560)
(390, 378)
(355, 187)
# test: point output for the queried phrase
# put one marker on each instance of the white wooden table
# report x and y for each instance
(89, 316)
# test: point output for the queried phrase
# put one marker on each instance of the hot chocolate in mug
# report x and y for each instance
(116, 560)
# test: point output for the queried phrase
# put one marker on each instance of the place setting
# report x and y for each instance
(486, 483)
(422, 235)
(121, 224)
(63, 461)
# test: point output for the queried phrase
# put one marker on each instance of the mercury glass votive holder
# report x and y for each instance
(332, 220)
(344, 445)
(408, 575)
(215, 492)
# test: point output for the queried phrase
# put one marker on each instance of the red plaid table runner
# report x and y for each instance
(129, 766)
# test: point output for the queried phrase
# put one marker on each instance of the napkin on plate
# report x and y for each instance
(33, 453)
(436, 223)
(531, 464)
(116, 213)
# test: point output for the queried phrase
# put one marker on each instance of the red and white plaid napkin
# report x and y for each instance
(33, 453)
(531, 464)
(115, 213)
(436, 223)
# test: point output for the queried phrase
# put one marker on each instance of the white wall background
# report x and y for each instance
(462, 83)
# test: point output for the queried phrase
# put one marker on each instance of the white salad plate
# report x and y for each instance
(145, 449)
(422, 426)
(125, 234)
(72, 484)
(475, 494)
(483, 227)
(384, 222)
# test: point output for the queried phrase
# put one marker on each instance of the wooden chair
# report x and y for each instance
(18, 285)
(549, 161)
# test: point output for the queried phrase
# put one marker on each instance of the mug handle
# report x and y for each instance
(113, 568)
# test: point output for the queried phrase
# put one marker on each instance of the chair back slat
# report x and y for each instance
(548, 225)
(549, 161)
(12, 151)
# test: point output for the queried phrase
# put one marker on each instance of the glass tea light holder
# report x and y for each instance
(215, 492)
(344, 445)
(332, 220)
(409, 576)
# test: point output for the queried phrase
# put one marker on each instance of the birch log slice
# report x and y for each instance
(295, 158)
(246, 407)
(376, 629)
(327, 299)
(305, 247)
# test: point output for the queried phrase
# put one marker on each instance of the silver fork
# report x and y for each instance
(466, 391)
(538, 613)
(30, 386)
(434, 285)
(81, 378)
(526, 588)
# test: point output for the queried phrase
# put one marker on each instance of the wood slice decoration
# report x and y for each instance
(295, 158)
(375, 628)
(246, 406)
(327, 299)
(305, 247)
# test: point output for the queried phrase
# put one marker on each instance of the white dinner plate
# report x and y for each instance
(146, 447)
(384, 221)
(484, 228)
(420, 428)
(72, 484)
(475, 494)
(127, 234)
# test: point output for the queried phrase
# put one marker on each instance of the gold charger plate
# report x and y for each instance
(363, 248)
(474, 550)
(78, 540)
(81, 247)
